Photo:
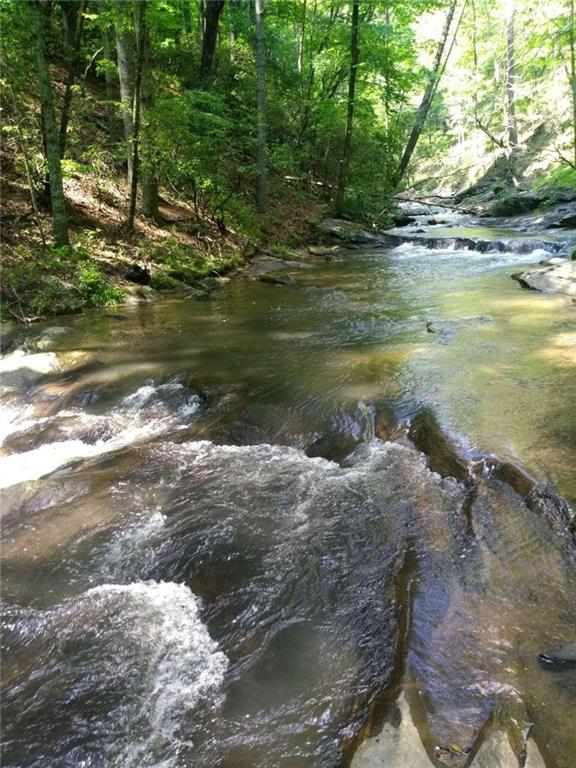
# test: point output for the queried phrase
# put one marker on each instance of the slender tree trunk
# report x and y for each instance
(232, 30)
(511, 126)
(261, 161)
(426, 102)
(201, 18)
(125, 46)
(212, 11)
(73, 17)
(187, 16)
(110, 80)
(149, 178)
(354, 56)
(572, 43)
(140, 25)
(301, 39)
(39, 13)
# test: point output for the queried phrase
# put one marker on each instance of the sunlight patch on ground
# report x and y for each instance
(562, 350)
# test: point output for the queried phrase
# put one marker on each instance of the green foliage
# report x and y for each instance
(561, 175)
(184, 264)
(198, 138)
(37, 282)
(95, 289)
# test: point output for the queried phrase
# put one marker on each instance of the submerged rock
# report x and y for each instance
(138, 294)
(554, 261)
(495, 752)
(277, 278)
(559, 278)
(562, 657)
(403, 220)
(442, 454)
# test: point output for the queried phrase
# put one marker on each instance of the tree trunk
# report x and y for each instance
(510, 77)
(73, 21)
(110, 80)
(187, 16)
(345, 162)
(125, 46)
(140, 25)
(212, 11)
(572, 43)
(149, 178)
(39, 12)
(426, 102)
(300, 36)
(261, 162)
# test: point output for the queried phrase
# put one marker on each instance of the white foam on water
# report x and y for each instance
(15, 419)
(181, 663)
(141, 396)
(31, 465)
(131, 548)
(130, 426)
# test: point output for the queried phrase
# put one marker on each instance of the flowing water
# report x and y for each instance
(212, 556)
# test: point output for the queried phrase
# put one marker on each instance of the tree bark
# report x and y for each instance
(426, 102)
(39, 13)
(73, 18)
(125, 45)
(109, 79)
(212, 11)
(140, 25)
(354, 57)
(261, 161)
(149, 178)
(511, 126)
(187, 16)
(572, 43)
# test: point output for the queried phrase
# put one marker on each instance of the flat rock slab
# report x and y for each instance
(348, 232)
(397, 746)
(559, 278)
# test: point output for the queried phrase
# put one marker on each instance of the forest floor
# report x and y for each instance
(186, 250)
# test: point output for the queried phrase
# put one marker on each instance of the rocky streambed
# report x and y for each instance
(317, 521)
(551, 234)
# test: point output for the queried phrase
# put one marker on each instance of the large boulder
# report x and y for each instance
(515, 203)
(347, 231)
(560, 278)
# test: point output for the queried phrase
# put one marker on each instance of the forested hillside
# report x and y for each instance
(181, 136)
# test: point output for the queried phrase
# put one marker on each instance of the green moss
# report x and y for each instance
(511, 205)
(162, 281)
(282, 252)
(185, 264)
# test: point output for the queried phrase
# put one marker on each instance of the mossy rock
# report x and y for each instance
(162, 281)
(277, 278)
(514, 204)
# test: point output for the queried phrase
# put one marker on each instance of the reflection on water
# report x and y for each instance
(212, 573)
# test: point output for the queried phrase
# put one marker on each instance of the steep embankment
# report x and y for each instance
(187, 248)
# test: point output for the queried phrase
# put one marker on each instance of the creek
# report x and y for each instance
(221, 546)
